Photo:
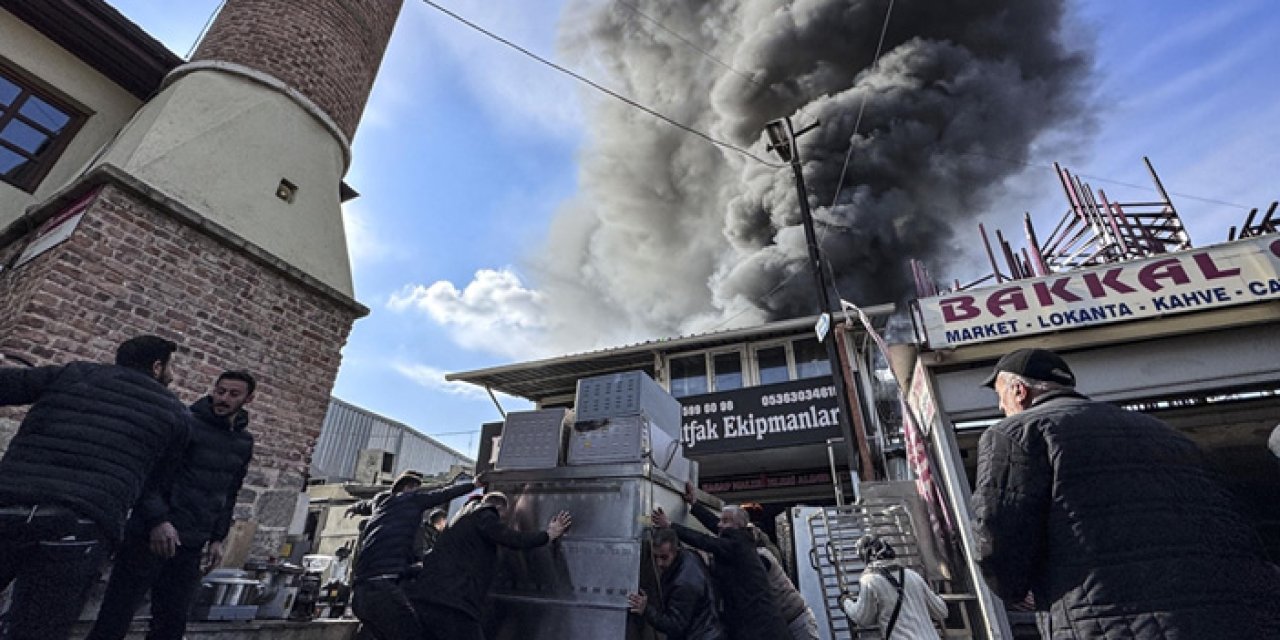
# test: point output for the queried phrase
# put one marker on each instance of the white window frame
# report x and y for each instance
(750, 362)
(666, 366)
(795, 371)
(708, 360)
(785, 343)
(741, 350)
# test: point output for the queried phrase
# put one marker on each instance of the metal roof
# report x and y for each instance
(540, 379)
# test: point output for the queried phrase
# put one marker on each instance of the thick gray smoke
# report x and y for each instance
(672, 234)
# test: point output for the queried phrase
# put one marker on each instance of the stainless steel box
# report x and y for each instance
(576, 588)
(627, 394)
(532, 439)
(626, 439)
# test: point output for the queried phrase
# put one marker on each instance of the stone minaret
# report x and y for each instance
(214, 219)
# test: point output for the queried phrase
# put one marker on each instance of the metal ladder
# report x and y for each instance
(834, 532)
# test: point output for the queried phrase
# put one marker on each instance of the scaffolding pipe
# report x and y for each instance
(1015, 272)
(991, 256)
(1030, 231)
(1115, 227)
(1265, 226)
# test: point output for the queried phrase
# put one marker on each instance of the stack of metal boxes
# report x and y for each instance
(624, 418)
(612, 479)
(532, 439)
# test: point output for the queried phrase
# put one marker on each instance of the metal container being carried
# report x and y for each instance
(577, 588)
(532, 439)
(627, 394)
(626, 439)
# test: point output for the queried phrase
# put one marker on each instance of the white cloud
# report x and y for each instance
(494, 313)
(432, 378)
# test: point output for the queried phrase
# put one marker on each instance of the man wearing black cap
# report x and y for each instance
(1110, 519)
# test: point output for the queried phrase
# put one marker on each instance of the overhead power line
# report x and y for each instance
(1146, 187)
(598, 87)
(857, 127)
(857, 122)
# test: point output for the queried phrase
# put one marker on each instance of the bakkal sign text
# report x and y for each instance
(1224, 275)
(776, 415)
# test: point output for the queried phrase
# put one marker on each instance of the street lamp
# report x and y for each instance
(782, 141)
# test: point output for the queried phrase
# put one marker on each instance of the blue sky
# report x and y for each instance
(467, 150)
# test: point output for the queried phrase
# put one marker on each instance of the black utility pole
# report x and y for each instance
(782, 140)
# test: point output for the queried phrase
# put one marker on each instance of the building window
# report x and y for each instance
(772, 363)
(735, 367)
(727, 368)
(34, 129)
(688, 375)
(811, 359)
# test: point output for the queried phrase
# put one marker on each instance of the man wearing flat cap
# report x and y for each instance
(1110, 519)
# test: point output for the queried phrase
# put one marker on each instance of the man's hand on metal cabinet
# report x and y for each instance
(350, 512)
(164, 540)
(558, 525)
(213, 556)
(638, 602)
(660, 519)
(690, 494)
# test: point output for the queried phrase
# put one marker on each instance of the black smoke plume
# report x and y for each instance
(670, 234)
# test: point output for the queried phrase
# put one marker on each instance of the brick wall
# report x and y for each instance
(329, 50)
(132, 268)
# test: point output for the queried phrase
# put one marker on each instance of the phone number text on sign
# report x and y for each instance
(802, 395)
(707, 408)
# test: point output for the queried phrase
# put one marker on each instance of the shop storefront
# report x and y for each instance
(1188, 337)
(760, 411)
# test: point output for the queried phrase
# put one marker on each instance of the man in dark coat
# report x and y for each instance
(1110, 519)
(166, 538)
(432, 523)
(449, 594)
(386, 551)
(94, 435)
(749, 610)
(688, 607)
(433, 526)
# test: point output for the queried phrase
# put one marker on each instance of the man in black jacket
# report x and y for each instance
(432, 523)
(167, 535)
(93, 436)
(1111, 519)
(449, 593)
(386, 552)
(749, 610)
(688, 607)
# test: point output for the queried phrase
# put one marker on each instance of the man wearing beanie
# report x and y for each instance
(1110, 519)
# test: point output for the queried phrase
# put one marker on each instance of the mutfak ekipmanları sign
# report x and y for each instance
(776, 415)
(1224, 275)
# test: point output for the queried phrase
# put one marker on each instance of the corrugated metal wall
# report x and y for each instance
(348, 429)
